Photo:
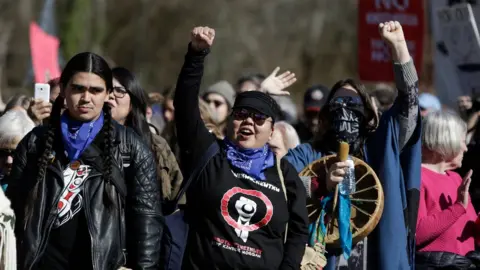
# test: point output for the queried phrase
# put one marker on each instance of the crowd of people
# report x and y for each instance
(106, 176)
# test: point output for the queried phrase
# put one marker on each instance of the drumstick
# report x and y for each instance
(343, 150)
(342, 155)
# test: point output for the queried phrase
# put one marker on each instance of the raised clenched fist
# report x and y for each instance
(392, 33)
(202, 38)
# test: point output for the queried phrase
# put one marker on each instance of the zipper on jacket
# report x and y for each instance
(87, 216)
(45, 235)
(51, 219)
(43, 241)
(122, 231)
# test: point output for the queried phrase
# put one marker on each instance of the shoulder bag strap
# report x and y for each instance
(207, 156)
(284, 189)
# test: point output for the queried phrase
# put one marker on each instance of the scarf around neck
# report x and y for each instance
(77, 135)
(252, 161)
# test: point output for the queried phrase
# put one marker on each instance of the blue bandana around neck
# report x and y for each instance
(252, 161)
(77, 135)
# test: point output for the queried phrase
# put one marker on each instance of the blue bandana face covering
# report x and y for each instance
(77, 135)
(252, 161)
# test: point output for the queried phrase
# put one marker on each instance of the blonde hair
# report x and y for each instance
(442, 133)
(289, 134)
(208, 117)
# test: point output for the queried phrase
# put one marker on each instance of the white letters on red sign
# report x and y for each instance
(400, 5)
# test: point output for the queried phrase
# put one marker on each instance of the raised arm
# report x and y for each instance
(406, 81)
(193, 137)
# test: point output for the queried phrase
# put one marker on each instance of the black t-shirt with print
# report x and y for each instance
(236, 222)
(69, 244)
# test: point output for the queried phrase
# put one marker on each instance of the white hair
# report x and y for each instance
(14, 125)
(288, 108)
(289, 134)
(443, 132)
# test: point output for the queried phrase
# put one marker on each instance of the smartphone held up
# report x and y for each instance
(42, 91)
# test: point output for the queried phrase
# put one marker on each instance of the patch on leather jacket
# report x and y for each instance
(71, 198)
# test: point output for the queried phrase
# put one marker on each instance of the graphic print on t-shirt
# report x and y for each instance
(71, 199)
(246, 210)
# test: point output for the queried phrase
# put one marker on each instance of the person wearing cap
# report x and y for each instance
(428, 103)
(313, 101)
(246, 208)
(220, 97)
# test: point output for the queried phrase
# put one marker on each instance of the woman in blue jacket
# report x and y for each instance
(390, 146)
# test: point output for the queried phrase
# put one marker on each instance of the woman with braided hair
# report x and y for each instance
(74, 201)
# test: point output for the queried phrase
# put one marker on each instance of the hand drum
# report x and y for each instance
(366, 202)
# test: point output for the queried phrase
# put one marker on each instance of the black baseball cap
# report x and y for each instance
(258, 101)
(315, 97)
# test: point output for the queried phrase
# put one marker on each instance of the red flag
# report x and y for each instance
(44, 50)
(374, 59)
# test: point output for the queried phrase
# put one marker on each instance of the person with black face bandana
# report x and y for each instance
(241, 214)
(390, 145)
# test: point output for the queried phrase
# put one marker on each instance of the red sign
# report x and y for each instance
(374, 57)
(44, 50)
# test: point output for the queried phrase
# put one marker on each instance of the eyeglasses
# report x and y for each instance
(351, 102)
(244, 114)
(216, 103)
(119, 92)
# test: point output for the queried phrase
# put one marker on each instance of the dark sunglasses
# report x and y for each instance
(243, 114)
(351, 102)
(216, 103)
(4, 153)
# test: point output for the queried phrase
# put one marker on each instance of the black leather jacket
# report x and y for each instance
(446, 260)
(141, 207)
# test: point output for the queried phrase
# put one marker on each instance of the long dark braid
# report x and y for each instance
(46, 157)
(108, 151)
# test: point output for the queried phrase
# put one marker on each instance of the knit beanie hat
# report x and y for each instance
(223, 88)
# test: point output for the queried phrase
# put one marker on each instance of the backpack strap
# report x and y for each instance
(157, 132)
(124, 155)
(284, 189)
(207, 156)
